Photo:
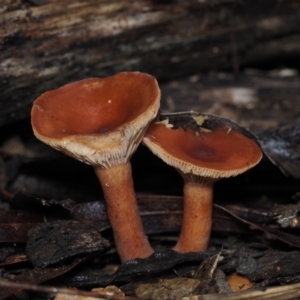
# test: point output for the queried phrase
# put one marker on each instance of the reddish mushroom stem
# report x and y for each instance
(197, 218)
(122, 211)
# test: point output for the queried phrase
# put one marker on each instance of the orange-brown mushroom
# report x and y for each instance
(101, 121)
(201, 156)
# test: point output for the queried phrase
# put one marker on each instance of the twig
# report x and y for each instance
(50, 289)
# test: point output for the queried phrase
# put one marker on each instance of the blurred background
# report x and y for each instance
(238, 59)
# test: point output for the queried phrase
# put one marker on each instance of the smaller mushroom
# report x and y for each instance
(101, 121)
(202, 155)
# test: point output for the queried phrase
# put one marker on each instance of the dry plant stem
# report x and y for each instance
(122, 211)
(197, 218)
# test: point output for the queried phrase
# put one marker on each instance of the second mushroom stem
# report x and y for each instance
(123, 213)
(197, 218)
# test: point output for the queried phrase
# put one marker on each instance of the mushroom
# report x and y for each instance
(101, 121)
(207, 149)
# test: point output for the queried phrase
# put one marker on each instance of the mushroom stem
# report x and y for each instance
(197, 217)
(122, 211)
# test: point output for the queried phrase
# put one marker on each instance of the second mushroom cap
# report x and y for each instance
(203, 148)
(215, 151)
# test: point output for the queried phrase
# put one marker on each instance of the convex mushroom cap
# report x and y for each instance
(210, 153)
(203, 148)
(99, 121)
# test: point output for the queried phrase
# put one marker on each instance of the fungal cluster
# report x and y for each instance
(101, 121)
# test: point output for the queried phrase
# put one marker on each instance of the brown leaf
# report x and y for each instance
(53, 242)
(36, 276)
(293, 240)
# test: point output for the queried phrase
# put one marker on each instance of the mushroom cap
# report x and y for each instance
(218, 153)
(99, 121)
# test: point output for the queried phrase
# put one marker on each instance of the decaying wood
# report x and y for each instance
(73, 294)
(258, 102)
(47, 43)
(280, 293)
